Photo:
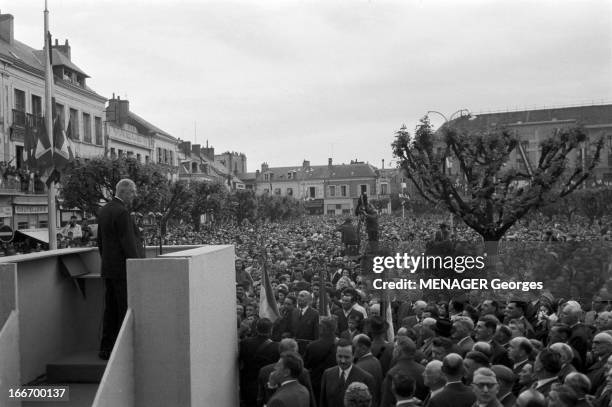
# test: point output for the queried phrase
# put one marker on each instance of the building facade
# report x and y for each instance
(330, 189)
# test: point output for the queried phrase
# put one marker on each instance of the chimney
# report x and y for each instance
(329, 161)
(264, 167)
(256, 174)
(196, 149)
(383, 163)
(123, 110)
(6, 28)
(305, 164)
(64, 49)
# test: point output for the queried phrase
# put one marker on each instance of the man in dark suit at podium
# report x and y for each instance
(117, 242)
(307, 328)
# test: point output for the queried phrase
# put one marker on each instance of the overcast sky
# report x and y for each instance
(284, 81)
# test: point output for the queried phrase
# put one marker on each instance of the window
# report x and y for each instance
(23, 225)
(159, 155)
(266, 177)
(113, 154)
(86, 128)
(98, 124)
(343, 190)
(120, 152)
(59, 109)
(171, 157)
(277, 191)
(147, 159)
(363, 189)
(312, 192)
(20, 103)
(339, 206)
(332, 190)
(346, 211)
(36, 106)
(289, 191)
(289, 175)
(74, 124)
(384, 189)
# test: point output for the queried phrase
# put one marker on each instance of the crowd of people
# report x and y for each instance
(459, 351)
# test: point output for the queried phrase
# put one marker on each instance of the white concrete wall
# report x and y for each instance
(117, 385)
(184, 347)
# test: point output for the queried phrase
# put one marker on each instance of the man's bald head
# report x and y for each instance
(531, 398)
(452, 367)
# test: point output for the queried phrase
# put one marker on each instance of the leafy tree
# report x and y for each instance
(207, 198)
(243, 205)
(380, 204)
(89, 185)
(491, 198)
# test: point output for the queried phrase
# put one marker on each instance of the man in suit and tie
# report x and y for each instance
(519, 350)
(290, 392)
(433, 379)
(571, 314)
(117, 242)
(321, 354)
(486, 387)
(365, 360)
(307, 328)
(454, 393)
(336, 379)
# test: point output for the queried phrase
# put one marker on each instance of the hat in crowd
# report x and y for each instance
(443, 327)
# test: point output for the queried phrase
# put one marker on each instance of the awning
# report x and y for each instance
(40, 235)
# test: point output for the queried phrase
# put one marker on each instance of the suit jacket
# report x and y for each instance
(117, 239)
(597, 373)
(307, 325)
(545, 388)
(292, 394)
(409, 367)
(253, 355)
(332, 390)
(492, 403)
(371, 365)
(264, 393)
(453, 395)
(579, 340)
(319, 356)
(500, 355)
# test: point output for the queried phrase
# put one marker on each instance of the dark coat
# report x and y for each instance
(332, 391)
(264, 393)
(579, 340)
(371, 365)
(117, 239)
(254, 353)
(453, 395)
(292, 394)
(409, 367)
(307, 325)
(319, 356)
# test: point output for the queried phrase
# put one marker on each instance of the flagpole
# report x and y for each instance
(49, 125)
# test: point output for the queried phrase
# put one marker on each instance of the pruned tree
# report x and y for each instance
(489, 195)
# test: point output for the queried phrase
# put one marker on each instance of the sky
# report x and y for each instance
(287, 81)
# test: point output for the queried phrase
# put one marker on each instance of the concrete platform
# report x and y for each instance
(82, 367)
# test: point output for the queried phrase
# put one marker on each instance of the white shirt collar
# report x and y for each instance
(348, 371)
(288, 381)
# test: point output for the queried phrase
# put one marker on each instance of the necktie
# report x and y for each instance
(343, 378)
